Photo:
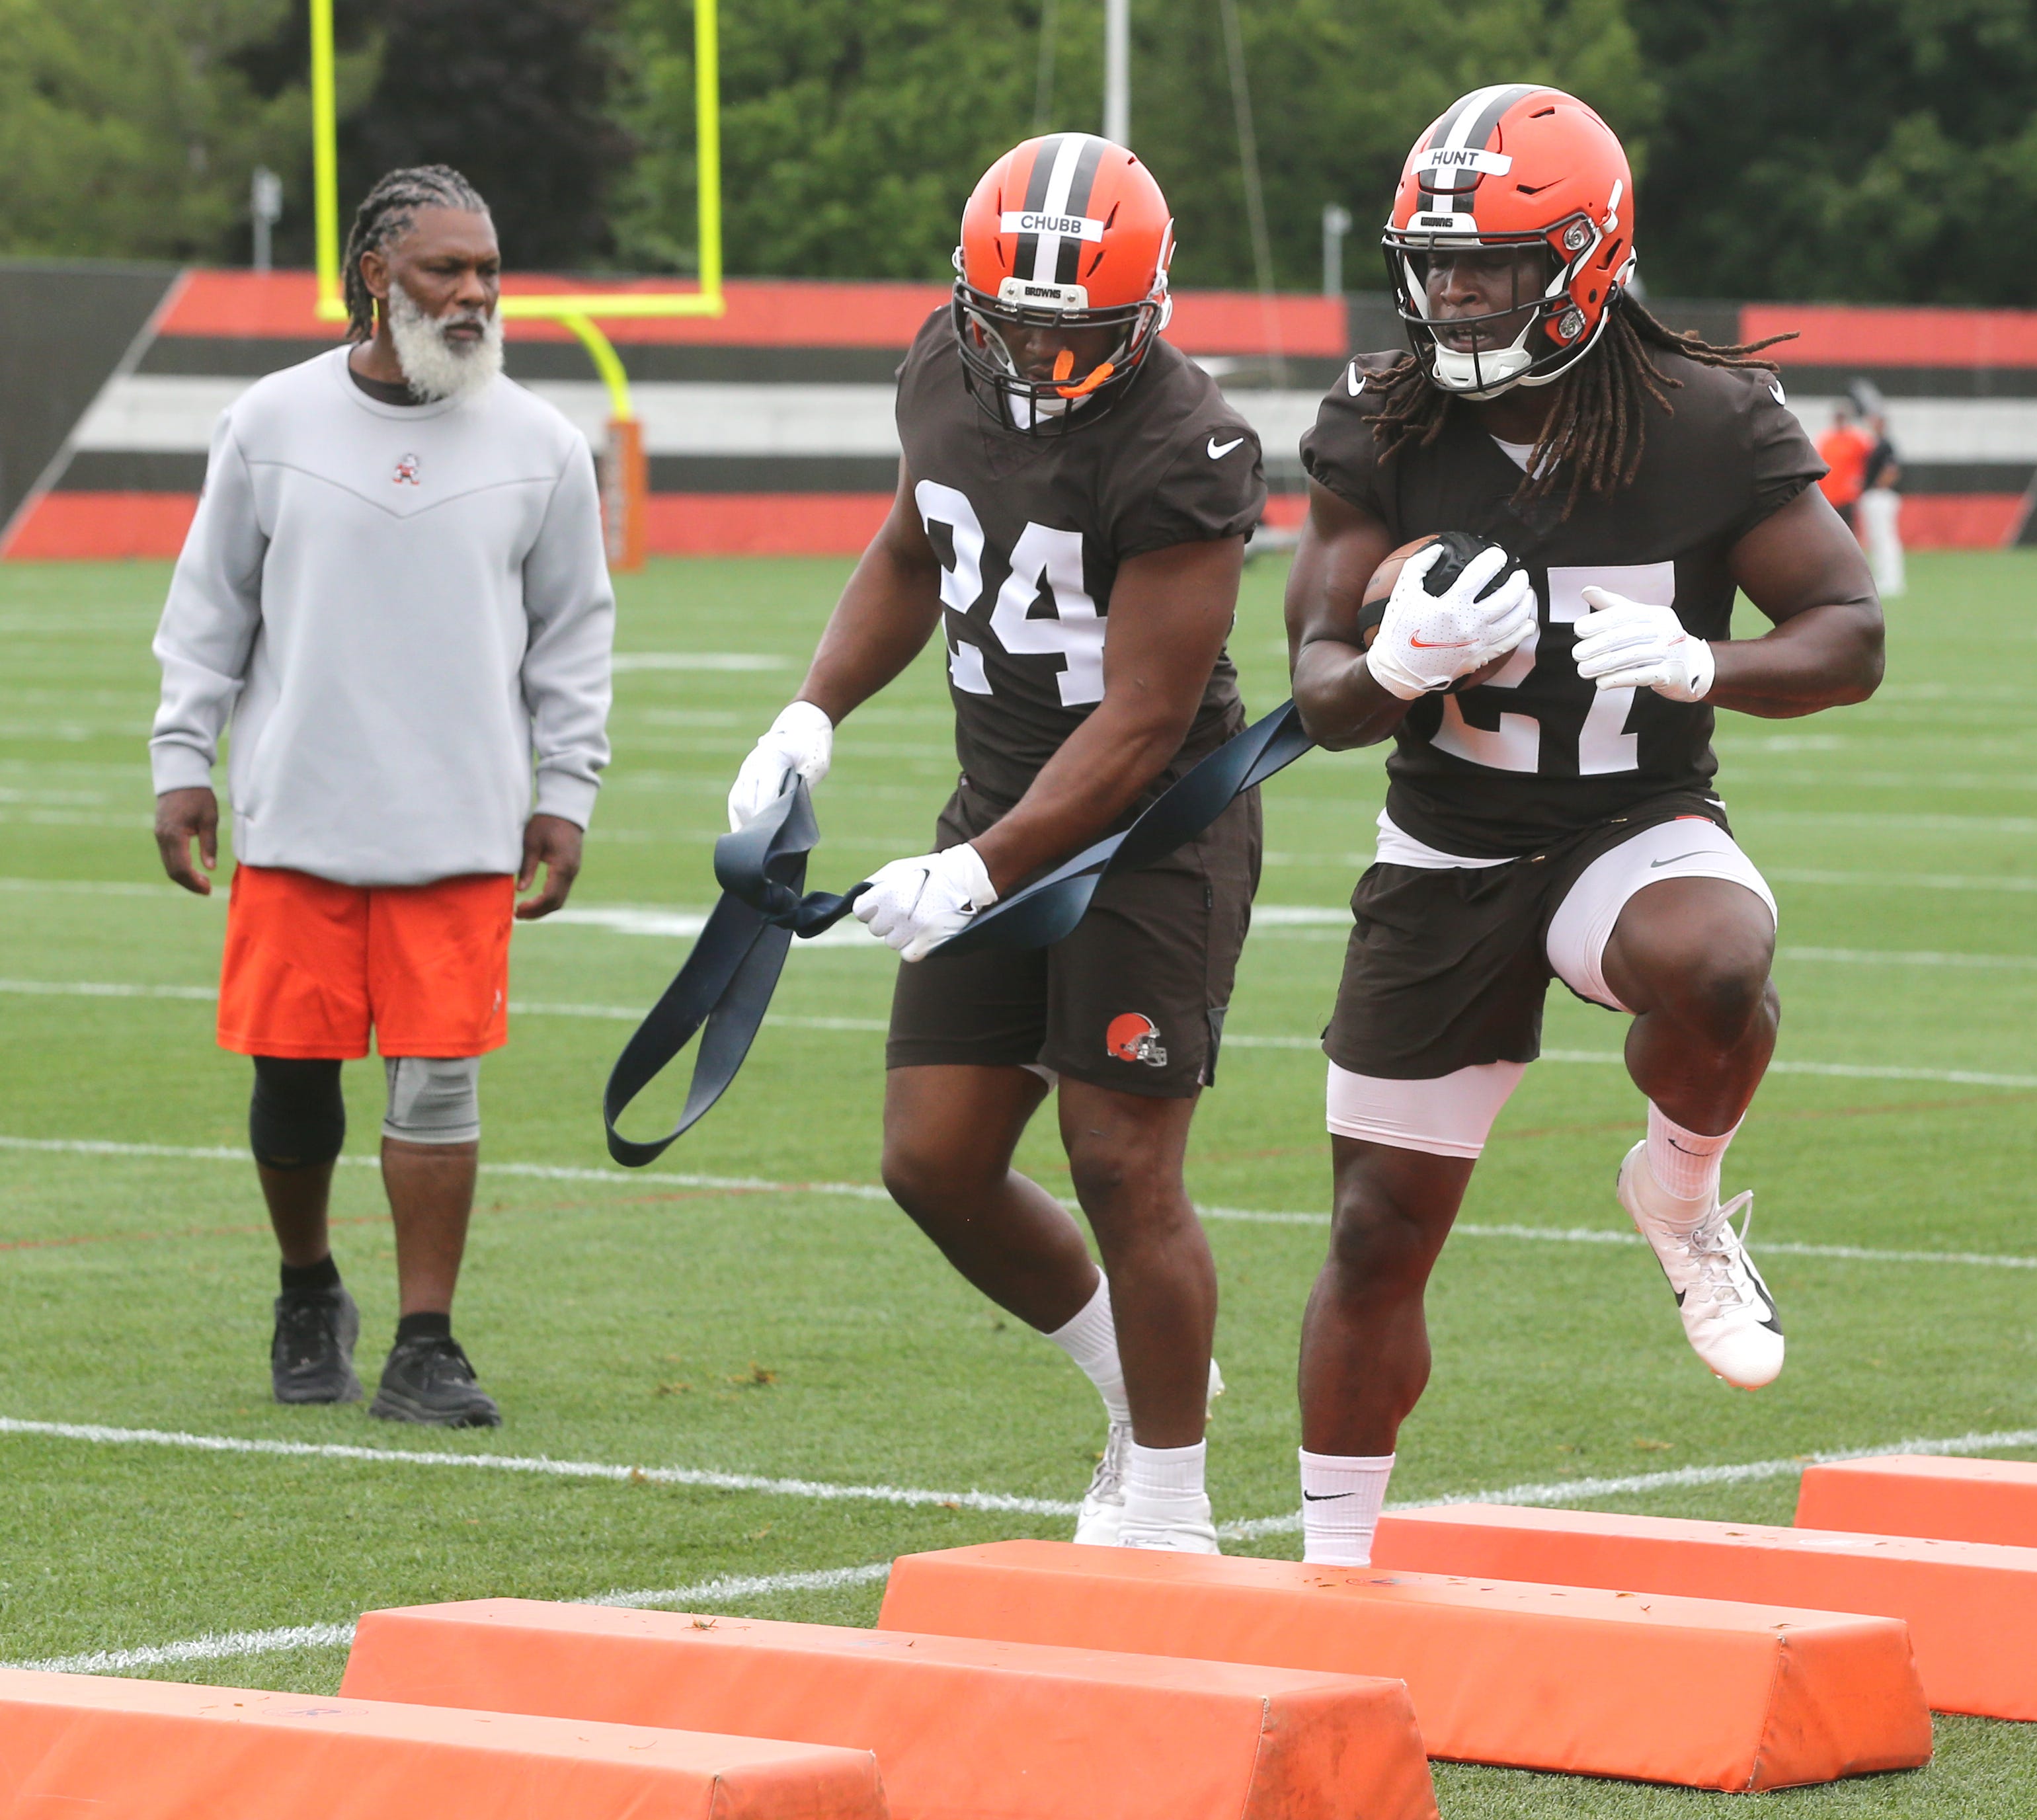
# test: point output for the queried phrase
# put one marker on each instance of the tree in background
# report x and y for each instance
(1858, 150)
(127, 130)
(516, 94)
(851, 130)
(1339, 89)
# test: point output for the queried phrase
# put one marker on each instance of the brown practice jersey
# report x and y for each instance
(1538, 752)
(1031, 530)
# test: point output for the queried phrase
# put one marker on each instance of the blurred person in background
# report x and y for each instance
(395, 587)
(1844, 449)
(1881, 504)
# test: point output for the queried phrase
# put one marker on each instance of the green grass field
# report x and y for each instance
(788, 1330)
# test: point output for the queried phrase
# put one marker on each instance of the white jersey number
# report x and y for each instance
(1603, 745)
(1042, 559)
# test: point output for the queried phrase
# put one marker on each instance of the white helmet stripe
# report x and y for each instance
(1476, 115)
(1047, 247)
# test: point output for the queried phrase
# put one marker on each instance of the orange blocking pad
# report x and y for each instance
(962, 1730)
(1690, 1691)
(1972, 1606)
(1925, 1494)
(80, 1745)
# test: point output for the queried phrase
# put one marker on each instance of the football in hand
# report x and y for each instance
(1459, 547)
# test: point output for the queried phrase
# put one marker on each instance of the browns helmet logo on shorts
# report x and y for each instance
(1133, 1037)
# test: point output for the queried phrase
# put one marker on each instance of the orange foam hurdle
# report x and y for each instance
(80, 1745)
(1925, 1494)
(1689, 1691)
(1972, 1606)
(962, 1730)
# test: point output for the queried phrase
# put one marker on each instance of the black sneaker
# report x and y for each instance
(310, 1358)
(430, 1381)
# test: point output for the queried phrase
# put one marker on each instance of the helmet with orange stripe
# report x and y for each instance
(1516, 170)
(1060, 279)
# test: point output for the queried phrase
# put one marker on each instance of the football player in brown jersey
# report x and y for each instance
(1073, 502)
(1558, 820)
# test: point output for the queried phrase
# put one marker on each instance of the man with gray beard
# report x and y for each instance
(395, 587)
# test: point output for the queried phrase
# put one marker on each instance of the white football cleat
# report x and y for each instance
(1190, 1532)
(1102, 1515)
(1729, 1317)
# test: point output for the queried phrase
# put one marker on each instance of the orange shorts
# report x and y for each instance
(311, 965)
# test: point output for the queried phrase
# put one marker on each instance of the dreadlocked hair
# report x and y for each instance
(1595, 433)
(385, 214)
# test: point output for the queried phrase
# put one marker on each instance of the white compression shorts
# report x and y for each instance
(1452, 1115)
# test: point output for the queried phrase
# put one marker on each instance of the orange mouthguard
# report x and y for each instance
(1088, 385)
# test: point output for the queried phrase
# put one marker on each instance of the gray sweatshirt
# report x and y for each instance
(401, 608)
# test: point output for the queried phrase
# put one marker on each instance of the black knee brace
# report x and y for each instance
(296, 1119)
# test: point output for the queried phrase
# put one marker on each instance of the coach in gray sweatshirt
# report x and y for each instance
(395, 588)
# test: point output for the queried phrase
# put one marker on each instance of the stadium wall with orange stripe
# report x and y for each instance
(769, 429)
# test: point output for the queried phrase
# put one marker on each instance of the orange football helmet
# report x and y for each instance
(1514, 165)
(1066, 230)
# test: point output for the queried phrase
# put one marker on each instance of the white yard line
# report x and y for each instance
(167, 893)
(1900, 881)
(224, 1646)
(1905, 957)
(1612, 1236)
(874, 1192)
(821, 1491)
(540, 1172)
(1563, 1491)
(518, 1007)
(218, 1646)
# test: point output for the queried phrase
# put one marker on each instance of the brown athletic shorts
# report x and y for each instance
(1448, 968)
(1134, 999)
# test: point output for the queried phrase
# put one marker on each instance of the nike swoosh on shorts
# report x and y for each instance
(1695, 853)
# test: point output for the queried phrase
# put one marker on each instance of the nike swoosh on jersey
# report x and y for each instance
(1695, 853)
(1218, 451)
(1354, 380)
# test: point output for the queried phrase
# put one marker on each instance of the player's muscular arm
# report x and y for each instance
(1801, 567)
(1342, 704)
(1170, 611)
(884, 616)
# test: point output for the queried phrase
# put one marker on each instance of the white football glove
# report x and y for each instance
(916, 903)
(801, 740)
(1626, 644)
(1426, 641)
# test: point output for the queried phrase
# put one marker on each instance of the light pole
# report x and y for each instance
(1336, 224)
(265, 205)
(1117, 71)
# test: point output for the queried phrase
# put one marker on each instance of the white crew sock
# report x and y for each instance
(1342, 1495)
(1164, 1485)
(1090, 1339)
(1684, 1164)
